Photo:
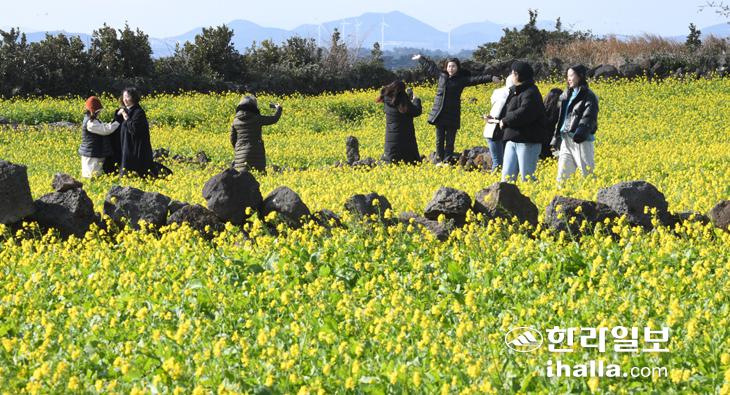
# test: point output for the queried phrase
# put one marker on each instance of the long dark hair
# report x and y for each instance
(551, 101)
(582, 73)
(394, 94)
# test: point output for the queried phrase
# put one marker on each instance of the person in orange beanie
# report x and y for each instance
(95, 143)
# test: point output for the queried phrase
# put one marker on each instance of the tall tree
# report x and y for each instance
(212, 52)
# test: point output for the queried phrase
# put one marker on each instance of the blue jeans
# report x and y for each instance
(496, 150)
(522, 158)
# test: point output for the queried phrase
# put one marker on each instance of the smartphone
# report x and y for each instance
(272, 105)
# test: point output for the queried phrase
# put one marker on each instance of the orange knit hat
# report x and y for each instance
(93, 104)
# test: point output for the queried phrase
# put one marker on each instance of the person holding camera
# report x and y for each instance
(400, 107)
(246, 134)
(577, 124)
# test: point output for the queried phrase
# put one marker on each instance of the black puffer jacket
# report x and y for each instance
(94, 145)
(446, 110)
(524, 115)
(136, 153)
(400, 135)
(247, 140)
(583, 111)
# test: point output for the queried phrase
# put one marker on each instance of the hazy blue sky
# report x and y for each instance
(168, 18)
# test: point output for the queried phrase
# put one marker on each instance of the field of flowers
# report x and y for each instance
(368, 309)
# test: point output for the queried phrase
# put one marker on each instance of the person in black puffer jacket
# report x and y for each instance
(523, 123)
(446, 111)
(95, 144)
(400, 135)
(575, 131)
(246, 134)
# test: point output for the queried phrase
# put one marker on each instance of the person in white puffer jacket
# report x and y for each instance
(491, 131)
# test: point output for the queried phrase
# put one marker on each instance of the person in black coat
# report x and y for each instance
(400, 134)
(111, 163)
(552, 113)
(446, 111)
(523, 123)
(136, 149)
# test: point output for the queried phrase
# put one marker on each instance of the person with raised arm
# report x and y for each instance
(446, 111)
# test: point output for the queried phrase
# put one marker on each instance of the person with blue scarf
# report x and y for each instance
(577, 124)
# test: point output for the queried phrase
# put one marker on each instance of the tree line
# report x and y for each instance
(116, 58)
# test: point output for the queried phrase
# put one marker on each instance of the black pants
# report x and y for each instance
(445, 138)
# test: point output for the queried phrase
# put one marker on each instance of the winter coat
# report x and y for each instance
(247, 141)
(446, 110)
(523, 115)
(583, 112)
(95, 142)
(136, 149)
(400, 134)
(111, 164)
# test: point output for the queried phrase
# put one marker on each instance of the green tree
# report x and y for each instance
(14, 56)
(527, 43)
(128, 55)
(338, 58)
(298, 52)
(693, 38)
(60, 65)
(212, 53)
(376, 54)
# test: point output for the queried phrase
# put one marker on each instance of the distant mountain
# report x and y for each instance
(396, 28)
(392, 30)
(465, 36)
(722, 30)
(38, 36)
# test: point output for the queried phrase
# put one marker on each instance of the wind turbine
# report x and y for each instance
(357, 32)
(344, 23)
(357, 38)
(383, 25)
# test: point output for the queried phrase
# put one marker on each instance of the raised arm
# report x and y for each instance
(414, 107)
(429, 66)
(270, 120)
(481, 79)
(103, 129)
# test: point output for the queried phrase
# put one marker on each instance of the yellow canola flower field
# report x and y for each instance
(368, 309)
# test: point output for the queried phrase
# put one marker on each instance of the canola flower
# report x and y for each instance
(367, 308)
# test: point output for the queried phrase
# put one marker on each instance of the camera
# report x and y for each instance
(272, 105)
